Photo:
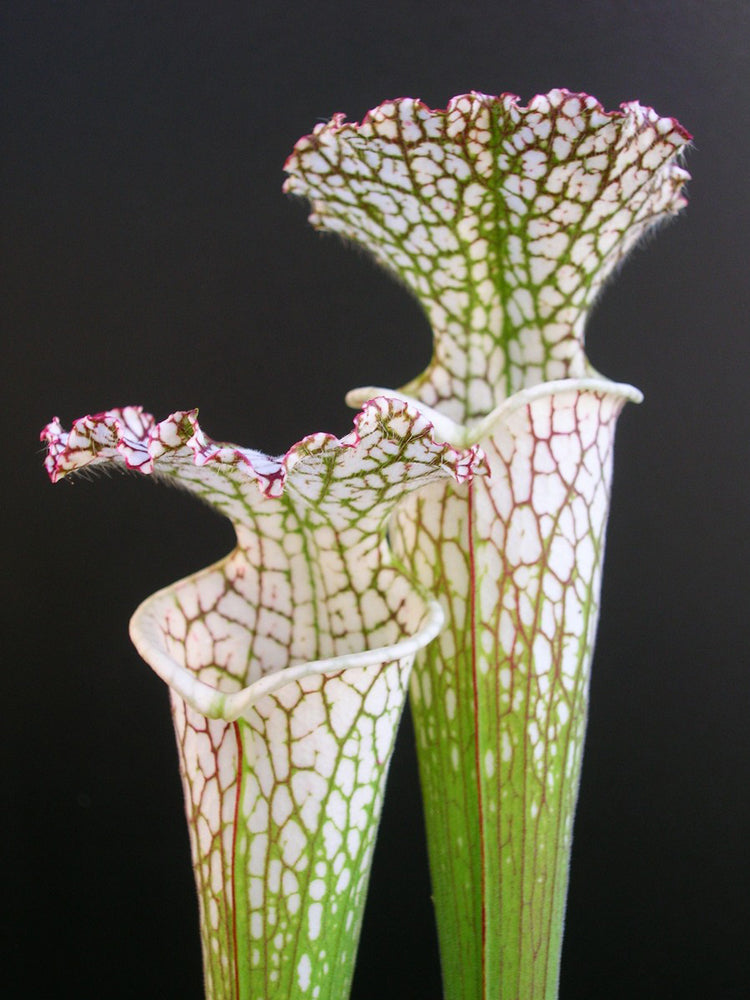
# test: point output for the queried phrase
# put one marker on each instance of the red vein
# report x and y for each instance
(235, 949)
(477, 762)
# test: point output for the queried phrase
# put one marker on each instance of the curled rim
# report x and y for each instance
(147, 635)
(466, 435)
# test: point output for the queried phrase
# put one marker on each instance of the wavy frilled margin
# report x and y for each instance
(504, 221)
(287, 664)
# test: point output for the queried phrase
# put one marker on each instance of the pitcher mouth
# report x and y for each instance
(472, 433)
(148, 633)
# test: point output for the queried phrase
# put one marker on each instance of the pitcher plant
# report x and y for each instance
(468, 508)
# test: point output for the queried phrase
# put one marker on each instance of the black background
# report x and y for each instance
(150, 257)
